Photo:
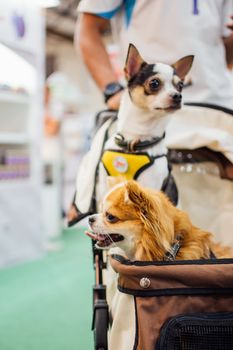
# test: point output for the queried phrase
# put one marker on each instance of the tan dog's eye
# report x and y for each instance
(111, 218)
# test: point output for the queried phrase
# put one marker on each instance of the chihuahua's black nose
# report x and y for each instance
(177, 97)
(91, 219)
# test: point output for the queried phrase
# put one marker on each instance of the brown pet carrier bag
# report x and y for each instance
(178, 305)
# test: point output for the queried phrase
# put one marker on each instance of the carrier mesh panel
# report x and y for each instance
(202, 337)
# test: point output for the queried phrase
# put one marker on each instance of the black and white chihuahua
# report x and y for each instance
(153, 92)
(136, 148)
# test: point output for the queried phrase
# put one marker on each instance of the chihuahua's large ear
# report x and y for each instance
(133, 62)
(139, 197)
(183, 66)
(158, 226)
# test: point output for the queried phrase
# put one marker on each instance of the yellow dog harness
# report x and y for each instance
(127, 164)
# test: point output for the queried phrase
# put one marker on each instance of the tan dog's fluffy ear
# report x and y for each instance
(133, 62)
(183, 66)
(137, 195)
(153, 208)
(112, 181)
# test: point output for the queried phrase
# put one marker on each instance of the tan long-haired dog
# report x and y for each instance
(147, 226)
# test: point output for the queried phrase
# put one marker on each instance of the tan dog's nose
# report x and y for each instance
(91, 219)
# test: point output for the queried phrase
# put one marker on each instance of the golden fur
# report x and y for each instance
(150, 223)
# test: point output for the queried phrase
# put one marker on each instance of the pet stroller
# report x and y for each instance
(179, 305)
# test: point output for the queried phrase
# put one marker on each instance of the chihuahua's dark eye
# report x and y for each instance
(154, 84)
(111, 218)
(180, 85)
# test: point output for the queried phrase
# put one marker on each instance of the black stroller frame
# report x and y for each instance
(101, 318)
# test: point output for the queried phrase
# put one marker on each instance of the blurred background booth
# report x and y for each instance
(21, 107)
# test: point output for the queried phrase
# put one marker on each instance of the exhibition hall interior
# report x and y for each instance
(56, 91)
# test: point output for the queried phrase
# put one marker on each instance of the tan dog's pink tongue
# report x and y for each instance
(94, 236)
(91, 235)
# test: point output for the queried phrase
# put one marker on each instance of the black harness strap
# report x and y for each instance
(212, 255)
(171, 255)
(169, 187)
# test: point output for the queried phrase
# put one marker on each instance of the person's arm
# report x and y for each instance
(89, 40)
(228, 43)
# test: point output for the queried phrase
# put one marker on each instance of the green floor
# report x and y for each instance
(47, 304)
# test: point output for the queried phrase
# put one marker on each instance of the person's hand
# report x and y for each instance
(230, 25)
(114, 101)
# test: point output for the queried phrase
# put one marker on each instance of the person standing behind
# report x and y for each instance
(162, 30)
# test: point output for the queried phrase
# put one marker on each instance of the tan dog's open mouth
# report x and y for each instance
(105, 240)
